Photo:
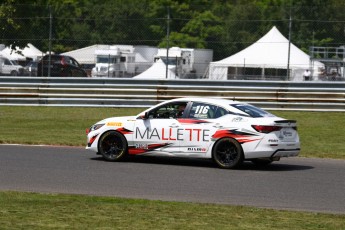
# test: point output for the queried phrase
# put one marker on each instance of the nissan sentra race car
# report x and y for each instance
(226, 131)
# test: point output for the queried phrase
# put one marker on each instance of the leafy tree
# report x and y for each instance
(225, 26)
(192, 24)
(242, 25)
(11, 25)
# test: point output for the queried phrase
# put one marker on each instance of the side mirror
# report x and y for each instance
(144, 116)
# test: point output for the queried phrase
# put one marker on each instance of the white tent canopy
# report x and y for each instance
(86, 55)
(30, 51)
(12, 55)
(269, 52)
(158, 71)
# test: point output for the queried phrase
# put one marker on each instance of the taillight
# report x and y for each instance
(266, 128)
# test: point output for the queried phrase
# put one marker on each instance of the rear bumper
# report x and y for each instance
(286, 153)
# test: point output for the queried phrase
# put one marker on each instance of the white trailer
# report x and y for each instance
(189, 63)
(122, 60)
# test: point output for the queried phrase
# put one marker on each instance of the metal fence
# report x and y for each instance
(114, 92)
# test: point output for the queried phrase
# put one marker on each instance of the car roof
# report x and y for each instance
(218, 101)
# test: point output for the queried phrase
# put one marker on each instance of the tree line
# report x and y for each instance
(225, 26)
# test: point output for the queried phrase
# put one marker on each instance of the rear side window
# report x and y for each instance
(252, 111)
(206, 111)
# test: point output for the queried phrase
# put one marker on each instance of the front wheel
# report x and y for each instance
(112, 146)
(227, 153)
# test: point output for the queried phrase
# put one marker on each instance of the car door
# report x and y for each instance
(159, 132)
(198, 127)
(76, 70)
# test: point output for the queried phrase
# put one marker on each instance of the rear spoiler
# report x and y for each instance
(285, 121)
(289, 123)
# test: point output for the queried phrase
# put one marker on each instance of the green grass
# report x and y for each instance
(321, 133)
(52, 211)
(52, 125)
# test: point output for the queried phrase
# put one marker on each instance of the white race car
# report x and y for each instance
(226, 131)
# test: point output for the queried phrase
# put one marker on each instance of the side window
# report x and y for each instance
(252, 110)
(68, 60)
(203, 111)
(170, 110)
(221, 112)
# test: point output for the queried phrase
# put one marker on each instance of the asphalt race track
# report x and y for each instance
(294, 183)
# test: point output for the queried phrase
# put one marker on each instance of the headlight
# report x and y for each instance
(94, 127)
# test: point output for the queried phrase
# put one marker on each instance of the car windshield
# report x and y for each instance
(252, 111)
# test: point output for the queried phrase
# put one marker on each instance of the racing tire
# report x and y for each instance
(261, 162)
(112, 146)
(227, 153)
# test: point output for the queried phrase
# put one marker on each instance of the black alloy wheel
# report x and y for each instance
(112, 146)
(227, 153)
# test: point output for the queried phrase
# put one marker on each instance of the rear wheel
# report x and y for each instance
(112, 146)
(227, 153)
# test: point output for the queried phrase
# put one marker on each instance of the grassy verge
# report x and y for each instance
(321, 133)
(38, 211)
(52, 125)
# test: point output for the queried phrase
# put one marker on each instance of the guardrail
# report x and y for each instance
(120, 92)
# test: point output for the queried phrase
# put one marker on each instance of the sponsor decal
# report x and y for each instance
(237, 119)
(141, 146)
(124, 130)
(114, 124)
(92, 139)
(287, 133)
(241, 137)
(134, 150)
(192, 121)
(196, 149)
(273, 140)
(173, 134)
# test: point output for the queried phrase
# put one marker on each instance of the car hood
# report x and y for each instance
(117, 119)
